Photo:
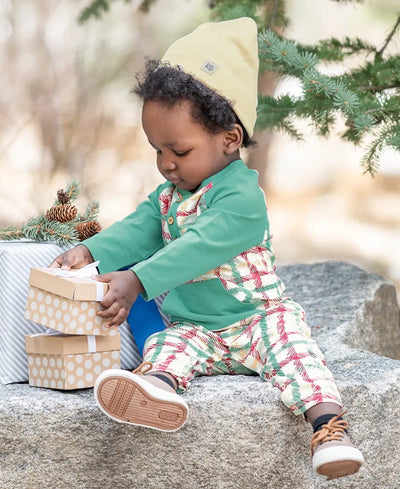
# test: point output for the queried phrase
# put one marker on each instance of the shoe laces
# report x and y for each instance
(333, 430)
(143, 368)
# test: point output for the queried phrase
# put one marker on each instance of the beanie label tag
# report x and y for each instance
(209, 67)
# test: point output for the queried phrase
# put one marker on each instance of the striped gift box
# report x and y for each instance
(16, 260)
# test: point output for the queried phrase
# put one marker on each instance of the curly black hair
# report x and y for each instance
(169, 85)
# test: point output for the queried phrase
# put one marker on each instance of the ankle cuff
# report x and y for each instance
(165, 379)
(324, 419)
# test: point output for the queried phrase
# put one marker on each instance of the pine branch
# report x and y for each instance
(11, 233)
(302, 65)
(146, 5)
(335, 50)
(91, 212)
(60, 223)
(95, 9)
(367, 96)
(370, 160)
(282, 54)
(272, 113)
(360, 125)
(231, 9)
(72, 190)
(372, 88)
(393, 138)
(42, 229)
(377, 76)
(388, 136)
(281, 113)
(346, 100)
(289, 128)
(275, 6)
(68, 195)
(388, 39)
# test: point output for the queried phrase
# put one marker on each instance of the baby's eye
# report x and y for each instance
(182, 153)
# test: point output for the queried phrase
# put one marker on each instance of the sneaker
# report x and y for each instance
(127, 397)
(333, 454)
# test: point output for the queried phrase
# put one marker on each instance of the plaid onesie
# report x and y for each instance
(229, 313)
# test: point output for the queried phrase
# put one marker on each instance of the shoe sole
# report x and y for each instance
(334, 470)
(127, 398)
(337, 461)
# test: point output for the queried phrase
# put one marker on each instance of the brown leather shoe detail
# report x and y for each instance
(333, 430)
(338, 469)
(126, 401)
(334, 434)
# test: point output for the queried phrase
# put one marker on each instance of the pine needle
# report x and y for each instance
(91, 212)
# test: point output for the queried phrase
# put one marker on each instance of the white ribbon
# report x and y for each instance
(99, 291)
(84, 273)
(91, 339)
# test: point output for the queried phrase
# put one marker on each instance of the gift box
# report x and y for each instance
(16, 260)
(66, 303)
(59, 361)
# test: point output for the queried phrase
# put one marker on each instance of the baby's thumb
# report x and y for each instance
(104, 277)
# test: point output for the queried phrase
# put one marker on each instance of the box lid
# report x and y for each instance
(80, 289)
(64, 344)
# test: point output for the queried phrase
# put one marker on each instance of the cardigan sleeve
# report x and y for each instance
(131, 240)
(233, 222)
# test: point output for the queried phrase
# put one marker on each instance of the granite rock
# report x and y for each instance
(239, 434)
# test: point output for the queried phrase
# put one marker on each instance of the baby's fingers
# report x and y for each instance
(58, 262)
(109, 310)
(115, 315)
(118, 319)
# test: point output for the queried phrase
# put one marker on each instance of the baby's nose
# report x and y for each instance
(168, 164)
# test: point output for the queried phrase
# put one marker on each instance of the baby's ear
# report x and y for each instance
(233, 139)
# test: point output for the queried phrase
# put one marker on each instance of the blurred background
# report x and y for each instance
(66, 112)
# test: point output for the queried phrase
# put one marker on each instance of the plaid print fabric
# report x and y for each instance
(274, 343)
(250, 276)
(186, 213)
(277, 346)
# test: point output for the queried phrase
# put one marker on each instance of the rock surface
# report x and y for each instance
(239, 435)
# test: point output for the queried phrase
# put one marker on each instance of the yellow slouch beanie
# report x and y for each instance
(224, 57)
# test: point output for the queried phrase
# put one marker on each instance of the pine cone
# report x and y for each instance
(62, 213)
(62, 197)
(87, 229)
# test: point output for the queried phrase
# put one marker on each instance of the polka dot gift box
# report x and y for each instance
(59, 361)
(68, 304)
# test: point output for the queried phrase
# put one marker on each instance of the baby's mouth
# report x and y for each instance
(173, 179)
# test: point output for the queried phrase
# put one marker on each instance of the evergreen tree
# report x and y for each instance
(367, 96)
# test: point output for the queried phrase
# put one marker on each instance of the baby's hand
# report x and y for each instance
(77, 257)
(124, 289)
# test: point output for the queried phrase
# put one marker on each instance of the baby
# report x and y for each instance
(203, 235)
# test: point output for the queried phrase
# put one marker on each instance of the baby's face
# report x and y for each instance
(187, 153)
